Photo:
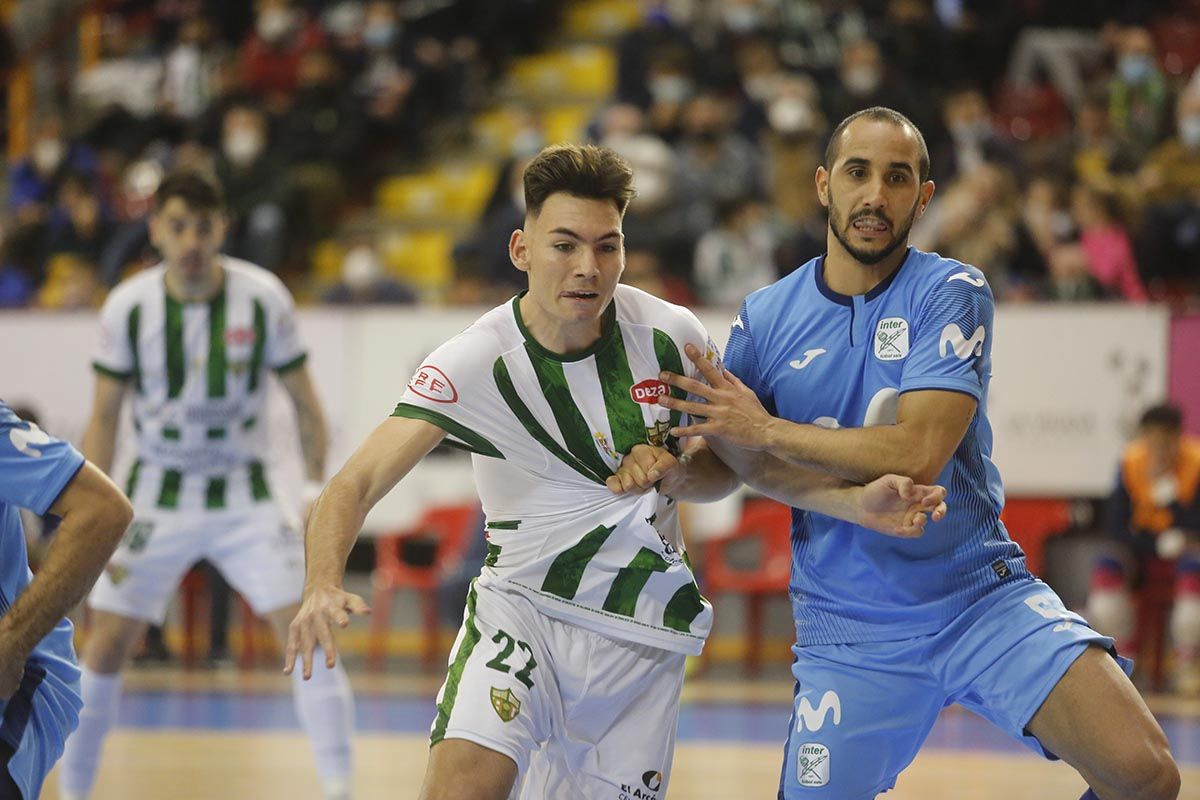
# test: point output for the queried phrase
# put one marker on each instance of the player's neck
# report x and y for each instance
(199, 290)
(555, 335)
(846, 275)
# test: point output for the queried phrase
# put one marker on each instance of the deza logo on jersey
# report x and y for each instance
(648, 391)
(432, 384)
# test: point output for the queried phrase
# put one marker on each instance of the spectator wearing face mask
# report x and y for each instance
(255, 188)
(1169, 242)
(718, 164)
(738, 256)
(1138, 97)
(1105, 240)
(35, 179)
(271, 54)
(637, 49)
(865, 80)
(191, 71)
(365, 281)
(972, 139)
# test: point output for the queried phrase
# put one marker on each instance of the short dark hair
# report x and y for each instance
(1166, 416)
(580, 170)
(201, 191)
(880, 114)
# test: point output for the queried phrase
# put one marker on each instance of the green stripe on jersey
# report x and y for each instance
(684, 607)
(168, 495)
(131, 482)
(258, 481)
(574, 428)
(217, 367)
(517, 406)
(504, 525)
(616, 379)
(214, 495)
(295, 363)
(260, 344)
(135, 316)
(471, 440)
(110, 373)
(493, 555)
(215, 433)
(173, 337)
(566, 572)
(669, 359)
(630, 580)
(470, 638)
(171, 434)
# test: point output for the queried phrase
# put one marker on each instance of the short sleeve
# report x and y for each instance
(453, 388)
(34, 467)
(741, 358)
(118, 327)
(952, 337)
(285, 351)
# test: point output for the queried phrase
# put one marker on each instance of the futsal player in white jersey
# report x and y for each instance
(564, 680)
(192, 341)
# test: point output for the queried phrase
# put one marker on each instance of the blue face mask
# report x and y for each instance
(379, 35)
(1135, 68)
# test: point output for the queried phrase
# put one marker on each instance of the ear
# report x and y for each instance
(822, 181)
(927, 189)
(518, 250)
(152, 227)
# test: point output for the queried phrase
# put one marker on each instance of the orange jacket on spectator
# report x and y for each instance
(1145, 514)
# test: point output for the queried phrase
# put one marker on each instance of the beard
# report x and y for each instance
(869, 258)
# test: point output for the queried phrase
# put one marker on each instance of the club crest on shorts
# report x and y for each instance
(506, 704)
(812, 764)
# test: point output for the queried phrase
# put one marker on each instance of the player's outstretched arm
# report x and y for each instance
(100, 436)
(929, 426)
(387, 455)
(94, 516)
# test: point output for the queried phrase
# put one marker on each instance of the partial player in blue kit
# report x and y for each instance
(875, 358)
(39, 676)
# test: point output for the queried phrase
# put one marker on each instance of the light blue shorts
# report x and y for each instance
(861, 711)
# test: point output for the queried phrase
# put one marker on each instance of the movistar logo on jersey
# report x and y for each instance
(952, 339)
(813, 719)
(891, 339)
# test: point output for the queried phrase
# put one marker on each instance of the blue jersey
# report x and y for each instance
(34, 469)
(815, 356)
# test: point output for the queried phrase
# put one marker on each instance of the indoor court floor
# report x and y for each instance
(231, 734)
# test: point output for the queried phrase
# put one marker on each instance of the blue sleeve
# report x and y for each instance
(741, 358)
(34, 467)
(952, 337)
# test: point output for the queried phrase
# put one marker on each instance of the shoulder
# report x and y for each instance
(138, 288)
(636, 307)
(933, 271)
(485, 339)
(787, 292)
(253, 280)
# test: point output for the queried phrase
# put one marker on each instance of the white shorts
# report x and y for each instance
(257, 549)
(582, 715)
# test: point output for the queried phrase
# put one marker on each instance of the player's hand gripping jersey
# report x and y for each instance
(546, 430)
(198, 374)
(815, 356)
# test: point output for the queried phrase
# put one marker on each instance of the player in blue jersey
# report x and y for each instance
(875, 358)
(39, 677)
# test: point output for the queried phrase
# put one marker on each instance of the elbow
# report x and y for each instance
(924, 470)
(117, 514)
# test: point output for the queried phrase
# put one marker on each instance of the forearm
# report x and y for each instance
(705, 478)
(333, 526)
(794, 485)
(82, 546)
(858, 455)
(100, 440)
(313, 441)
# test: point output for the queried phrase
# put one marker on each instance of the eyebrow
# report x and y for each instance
(574, 235)
(863, 162)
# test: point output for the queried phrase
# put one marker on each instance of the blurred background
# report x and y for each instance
(371, 153)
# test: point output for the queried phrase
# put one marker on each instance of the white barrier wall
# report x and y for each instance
(1068, 383)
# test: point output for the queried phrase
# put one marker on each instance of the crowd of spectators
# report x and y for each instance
(1065, 136)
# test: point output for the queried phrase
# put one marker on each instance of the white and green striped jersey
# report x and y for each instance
(546, 430)
(197, 374)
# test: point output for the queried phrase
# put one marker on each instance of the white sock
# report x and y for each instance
(325, 706)
(81, 757)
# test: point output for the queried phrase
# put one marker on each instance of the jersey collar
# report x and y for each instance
(848, 300)
(607, 324)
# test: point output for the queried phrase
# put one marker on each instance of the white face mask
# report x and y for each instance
(790, 115)
(1189, 131)
(275, 23)
(242, 146)
(862, 80)
(670, 88)
(47, 155)
(361, 268)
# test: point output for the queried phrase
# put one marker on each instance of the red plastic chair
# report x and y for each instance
(770, 523)
(449, 529)
(1153, 608)
(1031, 521)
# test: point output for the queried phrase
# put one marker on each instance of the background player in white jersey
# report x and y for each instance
(565, 677)
(897, 347)
(191, 340)
(39, 678)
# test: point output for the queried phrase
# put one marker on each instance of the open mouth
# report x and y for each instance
(870, 226)
(581, 295)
